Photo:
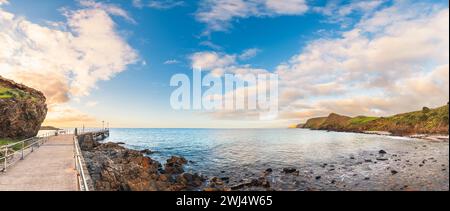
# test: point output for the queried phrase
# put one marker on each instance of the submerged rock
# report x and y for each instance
(147, 152)
(261, 182)
(289, 170)
(382, 159)
(382, 152)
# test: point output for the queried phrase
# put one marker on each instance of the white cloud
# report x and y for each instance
(109, 8)
(211, 60)
(137, 3)
(66, 62)
(360, 6)
(159, 4)
(220, 63)
(218, 14)
(66, 116)
(172, 61)
(211, 45)
(340, 9)
(287, 7)
(392, 61)
(340, 12)
(167, 4)
(91, 104)
(2, 2)
(249, 53)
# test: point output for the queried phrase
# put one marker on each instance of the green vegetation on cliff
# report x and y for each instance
(6, 93)
(426, 121)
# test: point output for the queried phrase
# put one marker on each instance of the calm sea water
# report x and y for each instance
(245, 153)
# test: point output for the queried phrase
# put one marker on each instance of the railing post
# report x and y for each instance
(23, 146)
(6, 159)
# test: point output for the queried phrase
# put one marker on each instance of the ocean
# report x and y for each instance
(323, 160)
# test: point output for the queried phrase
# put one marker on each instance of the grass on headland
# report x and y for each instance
(425, 121)
(7, 93)
(362, 119)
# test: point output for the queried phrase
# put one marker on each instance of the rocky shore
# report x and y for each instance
(116, 168)
(113, 167)
(418, 165)
(422, 167)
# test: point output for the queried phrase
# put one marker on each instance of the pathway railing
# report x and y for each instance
(83, 178)
(12, 153)
(79, 166)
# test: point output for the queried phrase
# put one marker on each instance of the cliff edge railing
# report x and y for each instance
(12, 153)
(56, 164)
(85, 182)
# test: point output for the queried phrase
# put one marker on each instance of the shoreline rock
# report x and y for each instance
(115, 168)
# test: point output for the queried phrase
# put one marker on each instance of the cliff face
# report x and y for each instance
(314, 123)
(426, 121)
(22, 110)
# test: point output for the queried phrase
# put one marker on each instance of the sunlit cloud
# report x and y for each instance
(218, 14)
(2, 2)
(91, 103)
(64, 62)
(391, 61)
(66, 116)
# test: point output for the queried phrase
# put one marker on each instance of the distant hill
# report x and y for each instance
(426, 121)
(49, 128)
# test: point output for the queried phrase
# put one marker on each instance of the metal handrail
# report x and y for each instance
(7, 158)
(82, 181)
(79, 160)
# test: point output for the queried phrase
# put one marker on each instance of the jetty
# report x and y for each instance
(52, 162)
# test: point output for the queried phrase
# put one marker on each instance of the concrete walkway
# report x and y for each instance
(51, 167)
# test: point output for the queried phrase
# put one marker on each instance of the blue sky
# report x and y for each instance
(158, 39)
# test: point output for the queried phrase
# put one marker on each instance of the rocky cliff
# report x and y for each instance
(22, 110)
(425, 121)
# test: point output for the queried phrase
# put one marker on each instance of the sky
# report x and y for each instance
(113, 60)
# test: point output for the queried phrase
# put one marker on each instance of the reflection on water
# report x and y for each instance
(245, 153)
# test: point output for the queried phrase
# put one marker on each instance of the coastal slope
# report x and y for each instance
(22, 110)
(426, 121)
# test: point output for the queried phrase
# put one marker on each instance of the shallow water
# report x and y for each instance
(325, 160)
